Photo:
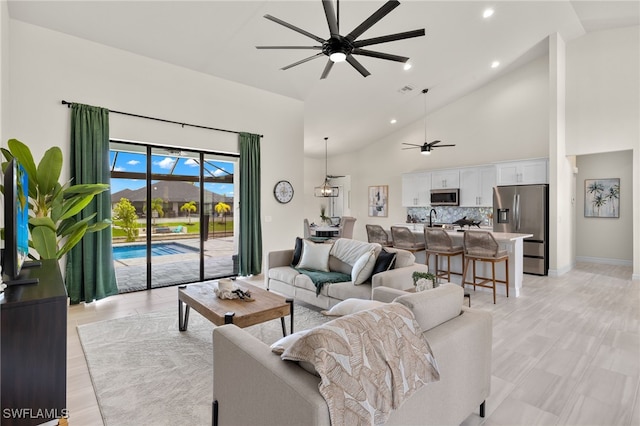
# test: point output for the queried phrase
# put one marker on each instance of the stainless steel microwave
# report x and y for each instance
(445, 197)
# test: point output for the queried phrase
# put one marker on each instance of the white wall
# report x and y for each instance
(48, 66)
(504, 120)
(603, 109)
(4, 68)
(606, 240)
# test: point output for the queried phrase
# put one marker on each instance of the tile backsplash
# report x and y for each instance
(450, 214)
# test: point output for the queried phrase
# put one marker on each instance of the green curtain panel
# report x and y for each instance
(250, 245)
(90, 274)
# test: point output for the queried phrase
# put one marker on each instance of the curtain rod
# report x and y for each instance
(68, 104)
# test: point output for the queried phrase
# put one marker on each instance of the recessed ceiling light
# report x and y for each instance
(393, 121)
(487, 13)
(407, 66)
(495, 64)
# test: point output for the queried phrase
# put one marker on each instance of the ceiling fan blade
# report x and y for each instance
(330, 13)
(358, 66)
(294, 28)
(441, 146)
(379, 55)
(432, 143)
(317, 55)
(413, 147)
(371, 20)
(327, 68)
(388, 38)
(290, 47)
(412, 144)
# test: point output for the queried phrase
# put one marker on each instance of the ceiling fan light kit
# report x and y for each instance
(326, 190)
(426, 147)
(342, 48)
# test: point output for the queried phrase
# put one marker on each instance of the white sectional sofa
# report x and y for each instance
(284, 393)
(343, 255)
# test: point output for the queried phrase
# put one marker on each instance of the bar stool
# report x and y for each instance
(377, 234)
(439, 243)
(404, 239)
(481, 246)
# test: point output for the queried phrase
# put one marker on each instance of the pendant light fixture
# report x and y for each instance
(326, 190)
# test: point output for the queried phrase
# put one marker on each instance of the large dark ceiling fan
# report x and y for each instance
(342, 48)
(426, 147)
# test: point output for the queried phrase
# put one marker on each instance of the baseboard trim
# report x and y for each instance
(555, 273)
(604, 260)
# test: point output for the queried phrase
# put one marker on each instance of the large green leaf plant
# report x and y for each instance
(52, 206)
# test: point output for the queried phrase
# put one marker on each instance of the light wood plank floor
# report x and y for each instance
(567, 352)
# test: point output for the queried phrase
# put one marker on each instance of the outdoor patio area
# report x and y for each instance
(131, 274)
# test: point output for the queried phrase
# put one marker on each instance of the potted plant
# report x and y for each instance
(323, 215)
(424, 280)
(52, 206)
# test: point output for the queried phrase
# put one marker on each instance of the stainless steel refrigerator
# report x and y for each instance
(524, 209)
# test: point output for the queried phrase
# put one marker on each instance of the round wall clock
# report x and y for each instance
(283, 191)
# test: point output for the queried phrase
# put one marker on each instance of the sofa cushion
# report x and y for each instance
(338, 265)
(346, 290)
(315, 256)
(351, 306)
(433, 307)
(363, 267)
(384, 262)
(349, 251)
(286, 274)
(303, 281)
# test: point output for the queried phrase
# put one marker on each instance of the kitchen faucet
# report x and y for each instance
(430, 219)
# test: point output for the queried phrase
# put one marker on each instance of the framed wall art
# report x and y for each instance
(379, 201)
(602, 197)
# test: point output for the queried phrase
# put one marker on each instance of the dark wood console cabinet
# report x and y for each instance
(33, 349)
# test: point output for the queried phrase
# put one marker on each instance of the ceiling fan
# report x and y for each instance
(426, 147)
(342, 48)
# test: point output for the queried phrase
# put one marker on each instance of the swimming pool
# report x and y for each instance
(159, 249)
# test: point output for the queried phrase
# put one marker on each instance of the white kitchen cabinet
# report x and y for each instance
(416, 189)
(445, 179)
(476, 186)
(523, 172)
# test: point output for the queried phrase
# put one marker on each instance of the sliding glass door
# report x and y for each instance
(181, 204)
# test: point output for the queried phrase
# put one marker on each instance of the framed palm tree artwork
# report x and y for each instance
(602, 198)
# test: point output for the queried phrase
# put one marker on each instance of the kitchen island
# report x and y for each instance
(510, 242)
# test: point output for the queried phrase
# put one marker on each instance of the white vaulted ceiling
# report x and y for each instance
(219, 38)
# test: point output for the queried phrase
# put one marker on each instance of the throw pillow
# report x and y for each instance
(315, 256)
(297, 252)
(351, 306)
(363, 267)
(384, 262)
(282, 344)
(286, 342)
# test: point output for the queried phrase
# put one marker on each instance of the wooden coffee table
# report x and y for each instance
(201, 297)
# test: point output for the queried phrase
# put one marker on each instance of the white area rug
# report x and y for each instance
(146, 372)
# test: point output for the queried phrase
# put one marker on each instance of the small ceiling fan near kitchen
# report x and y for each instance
(426, 147)
(342, 48)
